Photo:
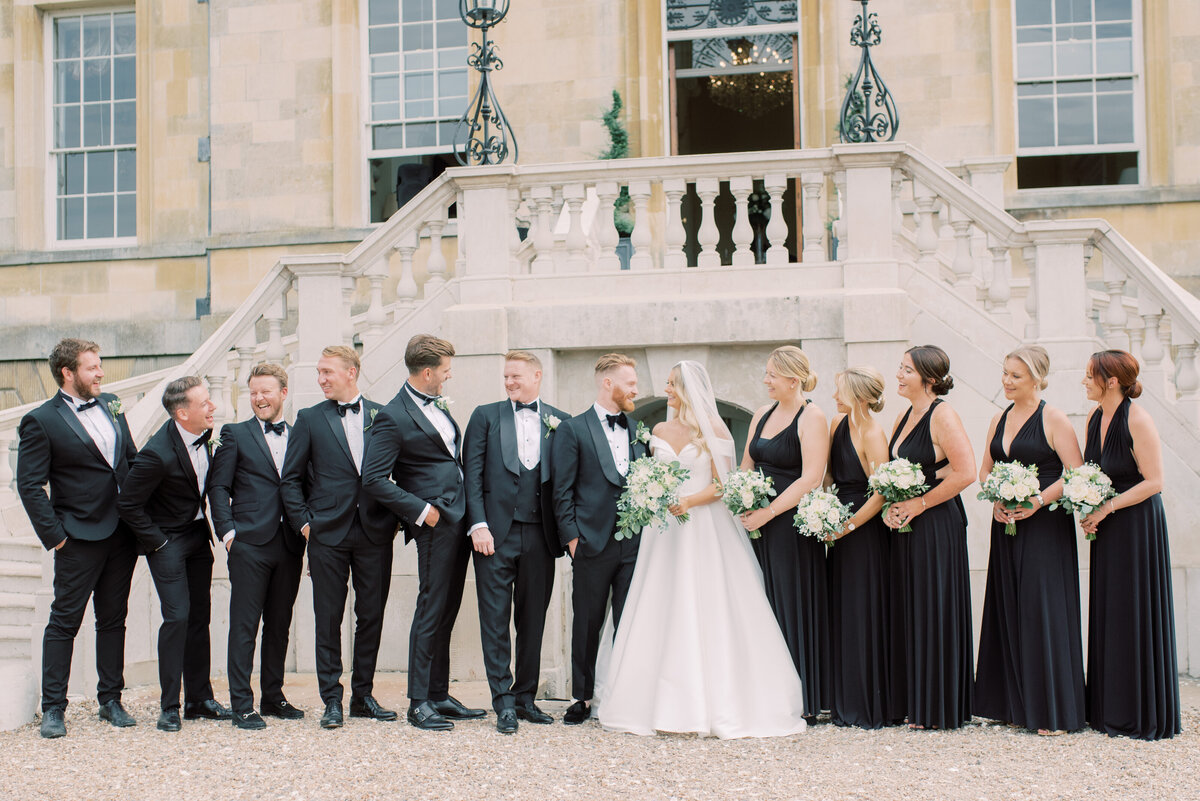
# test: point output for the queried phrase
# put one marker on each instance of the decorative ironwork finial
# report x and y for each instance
(868, 112)
(483, 134)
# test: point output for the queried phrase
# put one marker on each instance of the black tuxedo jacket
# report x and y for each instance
(160, 495)
(408, 449)
(492, 468)
(56, 449)
(243, 487)
(586, 482)
(320, 485)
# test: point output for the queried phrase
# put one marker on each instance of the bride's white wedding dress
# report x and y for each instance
(698, 649)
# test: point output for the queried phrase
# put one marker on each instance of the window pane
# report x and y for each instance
(385, 89)
(1075, 125)
(421, 134)
(389, 63)
(100, 216)
(124, 87)
(1072, 11)
(1115, 85)
(452, 57)
(417, 109)
(97, 125)
(100, 172)
(124, 33)
(70, 218)
(70, 174)
(1076, 87)
(1033, 12)
(418, 37)
(126, 170)
(418, 10)
(66, 126)
(385, 111)
(1034, 89)
(1073, 33)
(384, 40)
(126, 215)
(97, 79)
(451, 106)
(1114, 119)
(418, 86)
(452, 33)
(387, 137)
(1114, 9)
(1030, 35)
(447, 9)
(1036, 122)
(418, 61)
(1075, 58)
(446, 133)
(1114, 56)
(1114, 30)
(124, 123)
(381, 12)
(66, 38)
(452, 84)
(66, 82)
(1034, 61)
(97, 38)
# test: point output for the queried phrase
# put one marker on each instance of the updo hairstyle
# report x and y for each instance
(791, 362)
(1036, 360)
(933, 365)
(1116, 364)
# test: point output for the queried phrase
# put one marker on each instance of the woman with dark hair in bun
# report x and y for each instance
(1132, 677)
(931, 586)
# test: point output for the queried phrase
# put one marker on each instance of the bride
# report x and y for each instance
(698, 649)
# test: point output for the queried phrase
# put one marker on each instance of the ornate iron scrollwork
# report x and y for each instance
(868, 111)
(483, 134)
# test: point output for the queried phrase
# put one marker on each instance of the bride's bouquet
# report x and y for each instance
(747, 490)
(820, 514)
(896, 481)
(651, 487)
(1085, 488)
(1012, 484)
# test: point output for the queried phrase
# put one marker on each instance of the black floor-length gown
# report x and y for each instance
(794, 568)
(858, 600)
(932, 597)
(1030, 642)
(1133, 676)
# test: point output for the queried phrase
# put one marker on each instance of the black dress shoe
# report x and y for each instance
(368, 707)
(53, 724)
(114, 713)
(168, 720)
(209, 710)
(283, 710)
(531, 713)
(250, 721)
(332, 719)
(424, 716)
(453, 708)
(506, 721)
(577, 713)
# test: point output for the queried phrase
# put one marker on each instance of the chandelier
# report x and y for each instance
(750, 92)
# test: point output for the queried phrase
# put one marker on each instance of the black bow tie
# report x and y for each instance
(203, 438)
(274, 428)
(348, 407)
(425, 399)
(83, 407)
(615, 420)
(531, 406)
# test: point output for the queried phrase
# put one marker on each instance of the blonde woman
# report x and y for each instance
(790, 444)
(859, 564)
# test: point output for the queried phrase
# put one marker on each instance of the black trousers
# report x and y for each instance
(333, 567)
(83, 569)
(263, 581)
(594, 579)
(442, 556)
(182, 573)
(520, 573)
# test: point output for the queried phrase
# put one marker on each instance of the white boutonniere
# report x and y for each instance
(213, 444)
(552, 422)
(642, 434)
(116, 408)
(442, 402)
(370, 419)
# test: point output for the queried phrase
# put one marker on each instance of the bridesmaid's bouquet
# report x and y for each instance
(1012, 484)
(896, 481)
(651, 487)
(747, 490)
(820, 514)
(1084, 488)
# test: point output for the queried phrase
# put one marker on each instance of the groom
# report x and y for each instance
(591, 457)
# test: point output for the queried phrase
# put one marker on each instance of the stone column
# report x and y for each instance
(320, 317)
(868, 214)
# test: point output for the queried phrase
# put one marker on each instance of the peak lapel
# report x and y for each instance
(423, 423)
(72, 421)
(508, 437)
(603, 452)
(185, 459)
(329, 410)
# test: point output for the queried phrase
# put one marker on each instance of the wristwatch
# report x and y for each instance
(1041, 501)
(850, 527)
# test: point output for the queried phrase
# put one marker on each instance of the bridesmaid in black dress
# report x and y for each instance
(931, 584)
(1030, 671)
(791, 444)
(1132, 677)
(859, 565)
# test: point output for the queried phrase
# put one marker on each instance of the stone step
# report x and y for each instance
(20, 550)
(20, 577)
(14, 642)
(16, 609)
(18, 698)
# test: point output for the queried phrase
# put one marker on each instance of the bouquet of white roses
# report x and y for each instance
(820, 514)
(896, 481)
(651, 487)
(1084, 488)
(1012, 484)
(747, 490)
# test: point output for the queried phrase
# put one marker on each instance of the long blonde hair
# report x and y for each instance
(686, 414)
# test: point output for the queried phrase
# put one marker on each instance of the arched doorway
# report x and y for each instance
(653, 411)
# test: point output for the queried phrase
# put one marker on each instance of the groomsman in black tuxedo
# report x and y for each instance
(264, 552)
(349, 535)
(591, 457)
(412, 467)
(162, 500)
(79, 443)
(506, 461)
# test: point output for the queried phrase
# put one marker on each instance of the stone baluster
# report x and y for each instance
(813, 227)
(962, 265)
(406, 287)
(543, 234)
(675, 235)
(1136, 329)
(349, 282)
(218, 390)
(840, 229)
(708, 235)
(577, 260)
(245, 352)
(999, 290)
(927, 233)
(743, 232)
(1029, 256)
(1115, 316)
(435, 265)
(641, 238)
(7, 436)
(606, 229)
(777, 253)
(1187, 380)
(1154, 371)
(376, 317)
(274, 314)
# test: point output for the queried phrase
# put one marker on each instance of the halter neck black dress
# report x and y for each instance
(1133, 676)
(793, 567)
(1030, 670)
(932, 597)
(858, 600)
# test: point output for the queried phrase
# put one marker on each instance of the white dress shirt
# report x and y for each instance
(352, 425)
(529, 440)
(99, 424)
(618, 439)
(277, 445)
(199, 458)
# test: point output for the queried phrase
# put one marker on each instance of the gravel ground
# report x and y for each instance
(371, 760)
